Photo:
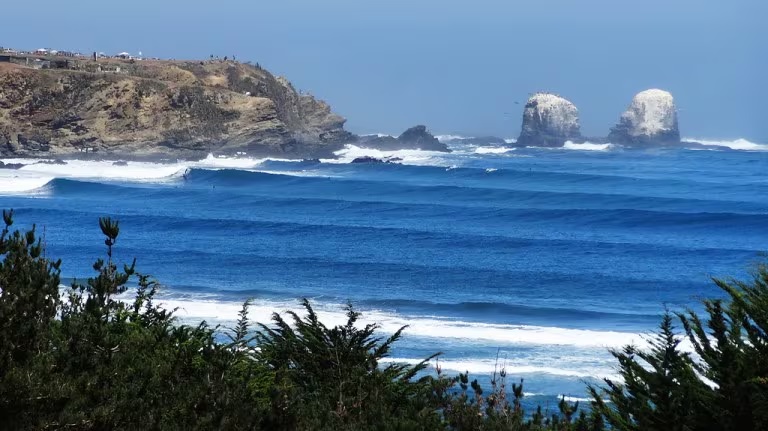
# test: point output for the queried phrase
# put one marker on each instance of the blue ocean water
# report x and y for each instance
(535, 260)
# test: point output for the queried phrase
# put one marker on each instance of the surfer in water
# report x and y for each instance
(186, 173)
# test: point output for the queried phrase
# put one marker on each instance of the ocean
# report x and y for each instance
(533, 260)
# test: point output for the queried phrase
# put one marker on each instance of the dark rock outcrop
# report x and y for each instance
(415, 138)
(419, 138)
(51, 162)
(549, 121)
(368, 159)
(4, 165)
(651, 119)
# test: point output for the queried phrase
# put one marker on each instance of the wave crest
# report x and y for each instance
(420, 326)
(587, 146)
(736, 144)
(493, 150)
(409, 157)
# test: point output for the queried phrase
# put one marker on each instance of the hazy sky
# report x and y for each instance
(457, 66)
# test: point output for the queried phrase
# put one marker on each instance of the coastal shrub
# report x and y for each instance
(721, 385)
(29, 298)
(96, 361)
(335, 378)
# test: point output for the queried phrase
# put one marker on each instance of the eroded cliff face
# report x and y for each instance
(161, 109)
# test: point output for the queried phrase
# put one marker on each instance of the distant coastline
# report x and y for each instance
(66, 105)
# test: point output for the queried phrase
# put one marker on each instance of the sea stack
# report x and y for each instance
(651, 119)
(549, 121)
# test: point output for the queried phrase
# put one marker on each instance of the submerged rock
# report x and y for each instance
(51, 162)
(4, 165)
(650, 119)
(369, 159)
(549, 121)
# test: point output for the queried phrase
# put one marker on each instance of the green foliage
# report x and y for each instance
(659, 388)
(724, 386)
(733, 346)
(334, 378)
(108, 363)
(470, 408)
(29, 297)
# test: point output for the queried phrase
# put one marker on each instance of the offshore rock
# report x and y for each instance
(415, 138)
(419, 138)
(369, 159)
(549, 121)
(651, 119)
(4, 165)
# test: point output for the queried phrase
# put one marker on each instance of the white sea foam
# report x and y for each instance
(137, 171)
(493, 150)
(424, 326)
(736, 144)
(587, 146)
(487, 367)
(213, 162)
(510, 140)
(571, 399)
(449, 138)
(568, 398)
(35, 175)
(380, 135)
(408, 157)
(587, 358)
(13, 181)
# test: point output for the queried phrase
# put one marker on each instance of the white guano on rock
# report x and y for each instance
(650, 119)
(549, 121)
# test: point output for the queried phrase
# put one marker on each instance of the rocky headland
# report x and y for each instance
(125, 109)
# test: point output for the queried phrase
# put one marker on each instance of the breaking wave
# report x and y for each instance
(409, 157)
(587, 146)
(736, 144)
(487, 367)
(418, 326)
(450, 138)
(12, 182)
(493, 150)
